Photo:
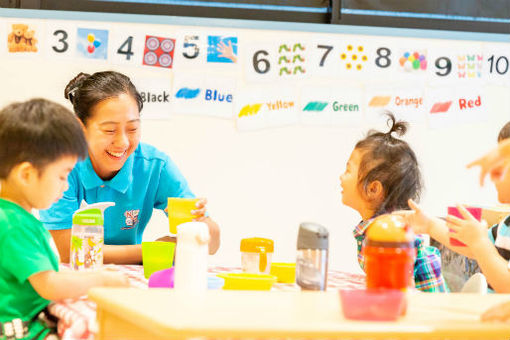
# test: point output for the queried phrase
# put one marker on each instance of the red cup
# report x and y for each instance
(476, 212)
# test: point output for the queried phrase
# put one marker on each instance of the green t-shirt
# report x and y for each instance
(25, 249)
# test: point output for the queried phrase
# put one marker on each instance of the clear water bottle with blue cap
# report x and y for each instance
(87, 236)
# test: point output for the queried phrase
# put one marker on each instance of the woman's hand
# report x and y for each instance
(468, 230)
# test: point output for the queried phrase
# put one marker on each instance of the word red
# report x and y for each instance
(469, 104)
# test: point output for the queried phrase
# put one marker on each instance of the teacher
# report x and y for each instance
(119, 168)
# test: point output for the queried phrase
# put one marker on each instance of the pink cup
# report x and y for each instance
(476, 212)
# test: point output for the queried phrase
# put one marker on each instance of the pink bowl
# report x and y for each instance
(373, 304)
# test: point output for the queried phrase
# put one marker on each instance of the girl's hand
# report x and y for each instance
(468, 230)
(201, 209)
(499, 312)
(496, 162)
(416, 218)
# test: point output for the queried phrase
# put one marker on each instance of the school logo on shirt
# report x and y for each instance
(131, 219)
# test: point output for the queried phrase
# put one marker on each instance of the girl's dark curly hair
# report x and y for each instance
(392, 162)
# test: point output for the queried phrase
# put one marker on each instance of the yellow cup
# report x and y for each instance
(157, 256)
(285, 272)
(179, 211)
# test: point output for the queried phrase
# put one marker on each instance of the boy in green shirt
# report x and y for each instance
(40, 142)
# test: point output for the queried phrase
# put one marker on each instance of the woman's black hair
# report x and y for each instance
(392, 162)
(84, 91)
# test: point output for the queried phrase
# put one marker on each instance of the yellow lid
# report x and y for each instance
(257, 245)
(389, 228)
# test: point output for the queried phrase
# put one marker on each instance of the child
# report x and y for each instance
(490, 249)
(40, 144)
(381, 175)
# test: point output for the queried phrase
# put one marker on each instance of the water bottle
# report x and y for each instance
(191, 256)
(312, 257)
(87, 236)
(389, 253)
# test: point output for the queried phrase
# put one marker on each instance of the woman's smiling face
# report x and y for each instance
(113, 134)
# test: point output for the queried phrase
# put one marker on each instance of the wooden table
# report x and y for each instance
(166, 314)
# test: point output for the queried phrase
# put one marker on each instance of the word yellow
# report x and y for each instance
(279, 104)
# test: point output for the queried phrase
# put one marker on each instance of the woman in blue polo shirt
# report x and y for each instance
(119, 168)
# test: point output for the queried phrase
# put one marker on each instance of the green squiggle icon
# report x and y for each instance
(285, 70)
(298, 45)
(284, 58)
(284, 47)
(298, 69)
(298, 57)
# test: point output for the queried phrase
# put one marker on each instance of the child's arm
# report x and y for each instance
(493, 266)
(433, 226)
(120, 254)
(56, 286)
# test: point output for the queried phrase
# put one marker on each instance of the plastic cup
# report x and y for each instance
(373, 304)
(157, 256)
(179, 211)
(476, 212)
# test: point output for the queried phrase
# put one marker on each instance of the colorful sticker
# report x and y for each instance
(92, 43)
(292, 59)
(221, 49)
(413, 61)
(469, 66)
(353, 57)
(159, 51)
(22, 38)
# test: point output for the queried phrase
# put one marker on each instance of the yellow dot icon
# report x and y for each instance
(364, 58)
(349, 66)
(359, 67)
(349, 47)
(360, 48)
(354, 57)
(343, 56)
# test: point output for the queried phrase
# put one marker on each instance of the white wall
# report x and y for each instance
(265, 183)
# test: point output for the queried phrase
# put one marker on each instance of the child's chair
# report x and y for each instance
(476, 284)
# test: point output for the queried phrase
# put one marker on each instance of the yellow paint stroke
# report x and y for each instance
(249, 110)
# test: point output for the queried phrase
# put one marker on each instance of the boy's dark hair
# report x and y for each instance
(84, 91)
(504, 133)
(40, 132)
(392, 162)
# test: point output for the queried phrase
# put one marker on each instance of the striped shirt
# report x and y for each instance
(427, 267)
(499, 234)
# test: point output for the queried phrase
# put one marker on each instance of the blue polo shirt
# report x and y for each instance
(145, 182)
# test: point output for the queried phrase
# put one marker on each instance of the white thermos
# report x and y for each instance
(191, 256)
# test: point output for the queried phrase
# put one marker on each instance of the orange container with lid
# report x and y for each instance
(389, 253)
(256, 253)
